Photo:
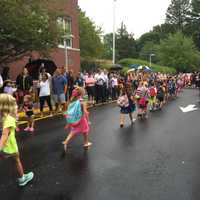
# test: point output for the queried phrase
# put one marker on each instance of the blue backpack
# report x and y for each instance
(74, 112)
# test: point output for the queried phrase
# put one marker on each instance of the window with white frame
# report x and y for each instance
(66, 25)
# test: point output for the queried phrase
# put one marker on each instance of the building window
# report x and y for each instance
(66, 25)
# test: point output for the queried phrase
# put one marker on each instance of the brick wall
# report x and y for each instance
(69, 8)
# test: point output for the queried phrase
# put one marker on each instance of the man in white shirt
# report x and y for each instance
(99, 86)
(1, 81)
(105, 86)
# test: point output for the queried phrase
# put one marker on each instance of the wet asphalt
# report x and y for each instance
(156, 159)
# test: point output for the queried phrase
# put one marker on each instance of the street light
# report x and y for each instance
(150, 55)
(66, 54)
(114, 9)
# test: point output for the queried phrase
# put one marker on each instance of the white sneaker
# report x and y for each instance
(25, 179)
(133, 121)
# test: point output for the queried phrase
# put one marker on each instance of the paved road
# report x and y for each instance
(158, 159)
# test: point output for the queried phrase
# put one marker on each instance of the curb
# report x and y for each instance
(60, 113)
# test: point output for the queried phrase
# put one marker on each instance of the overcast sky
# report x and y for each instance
(139, 15)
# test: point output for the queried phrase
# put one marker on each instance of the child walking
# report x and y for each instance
(28, 108)
(127, 105)
(77, 118)
(8, 144)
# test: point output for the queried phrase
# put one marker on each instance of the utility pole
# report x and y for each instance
(114, 38)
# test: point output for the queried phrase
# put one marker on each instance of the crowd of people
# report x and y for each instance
(136, 94)
(101, 86)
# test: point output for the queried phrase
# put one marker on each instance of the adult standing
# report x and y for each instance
(59, 88)
(44, 93)
(5, 73)
(79, 80)
(70, 81)
(114, 87)
(42, 71)
(99, 86)
(105, 94)
(24, 84)
(3, 77)
(1, 84)
(90, 87)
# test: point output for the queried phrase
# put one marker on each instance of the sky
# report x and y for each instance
(139, 16)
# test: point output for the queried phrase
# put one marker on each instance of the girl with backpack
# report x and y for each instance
(77, 118)
(127, 105)
(152, 96)
(160, 95)
(142, 101)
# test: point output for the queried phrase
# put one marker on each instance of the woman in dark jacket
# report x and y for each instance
(24, 84)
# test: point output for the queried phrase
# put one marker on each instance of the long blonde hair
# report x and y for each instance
(8, 105)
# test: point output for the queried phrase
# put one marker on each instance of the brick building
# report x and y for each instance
(69, 58)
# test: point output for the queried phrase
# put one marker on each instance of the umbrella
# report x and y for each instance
(140, 67)
(135, 66)
(131, 70)
(147, 69)
(34, 66)
(116, 67)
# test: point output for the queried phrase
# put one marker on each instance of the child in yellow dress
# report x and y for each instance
(8, 144)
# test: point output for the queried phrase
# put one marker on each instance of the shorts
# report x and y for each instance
(160, 98)
(90, 91)
(60, 98)
(29, 113)
(142, 106)
(7, 155)
(152, 99)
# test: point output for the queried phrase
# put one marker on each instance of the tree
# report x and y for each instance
(26, 26)
(152, 36)
(125, 44)
(108, 46)
(90, 37)
(193, 27)
(164, 30)
(149, 48)
(178, 51)
(177, 13)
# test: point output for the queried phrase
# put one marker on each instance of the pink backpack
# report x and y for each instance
(142, 101)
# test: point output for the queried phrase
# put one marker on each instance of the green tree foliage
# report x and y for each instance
(164, 30)
(177, 13)
(149, 37)
(193, 27)
(125, 44)
(148, 48)
(178, 51)
(90, 40)
(108, 46)
(26, 26)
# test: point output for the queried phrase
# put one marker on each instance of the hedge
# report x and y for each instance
(89, 64)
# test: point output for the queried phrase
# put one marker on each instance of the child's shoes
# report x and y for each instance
(27, 129)
(31, 129)
(25, 179)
